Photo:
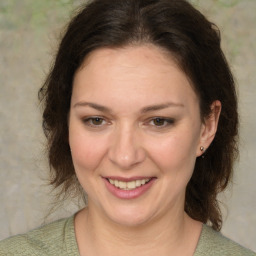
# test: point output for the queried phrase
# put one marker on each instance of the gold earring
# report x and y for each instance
(202, 150)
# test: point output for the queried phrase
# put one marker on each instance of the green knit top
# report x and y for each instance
(58, 238)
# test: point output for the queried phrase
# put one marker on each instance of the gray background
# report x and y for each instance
(29, 32)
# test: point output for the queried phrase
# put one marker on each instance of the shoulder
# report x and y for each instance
(214, 243)
(57, 238)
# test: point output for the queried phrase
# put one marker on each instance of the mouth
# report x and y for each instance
(128, 185)
(128, 188)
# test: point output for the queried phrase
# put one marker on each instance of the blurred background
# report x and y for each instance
(29, 35)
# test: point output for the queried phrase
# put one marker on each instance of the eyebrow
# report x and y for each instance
(93, 105)
(161, 106)
(143, 110)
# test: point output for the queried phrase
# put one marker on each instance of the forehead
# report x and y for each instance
(131, 57)
(149, 51)
(132, 71)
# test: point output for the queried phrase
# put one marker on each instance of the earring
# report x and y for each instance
(202, 149)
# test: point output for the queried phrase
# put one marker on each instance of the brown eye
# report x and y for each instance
(94, 121)
(97, 121)
(159, 121)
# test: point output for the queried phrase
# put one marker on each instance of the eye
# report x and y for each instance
(97, 121)
(161, 122)
(94, 121)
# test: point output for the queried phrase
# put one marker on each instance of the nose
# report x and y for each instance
(126, 149)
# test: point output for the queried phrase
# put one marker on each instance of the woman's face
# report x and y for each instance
(135, 132)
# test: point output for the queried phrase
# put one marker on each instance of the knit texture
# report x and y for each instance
(58, 239)
(212, 243)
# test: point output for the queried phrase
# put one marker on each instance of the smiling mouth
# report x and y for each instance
(130, 185)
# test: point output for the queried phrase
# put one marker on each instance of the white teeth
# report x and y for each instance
(138, 183)
(122, 184)
(128, 185)
(131, 185)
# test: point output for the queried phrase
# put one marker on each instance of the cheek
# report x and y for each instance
(87, 151)
(175, 152)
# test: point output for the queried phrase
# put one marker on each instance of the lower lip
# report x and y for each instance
(129, 194)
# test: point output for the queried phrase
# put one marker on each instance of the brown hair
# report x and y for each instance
(176, 26)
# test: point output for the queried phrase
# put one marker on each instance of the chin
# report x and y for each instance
(130, 216)
(131, 222)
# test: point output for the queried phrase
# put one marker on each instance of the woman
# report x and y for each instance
(141, 114)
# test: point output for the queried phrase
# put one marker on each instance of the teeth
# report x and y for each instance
(122, 184)
(128, 185)
(138, 183)
(131, 185)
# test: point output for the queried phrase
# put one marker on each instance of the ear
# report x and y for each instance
(209, 127)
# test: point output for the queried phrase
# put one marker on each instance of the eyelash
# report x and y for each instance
(89, 121)
(164, 122)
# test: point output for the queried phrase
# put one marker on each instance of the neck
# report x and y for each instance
(97, 235)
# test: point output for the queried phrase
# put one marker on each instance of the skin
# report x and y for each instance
(114, 131)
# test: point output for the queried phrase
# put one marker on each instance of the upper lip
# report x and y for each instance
(127, 179)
